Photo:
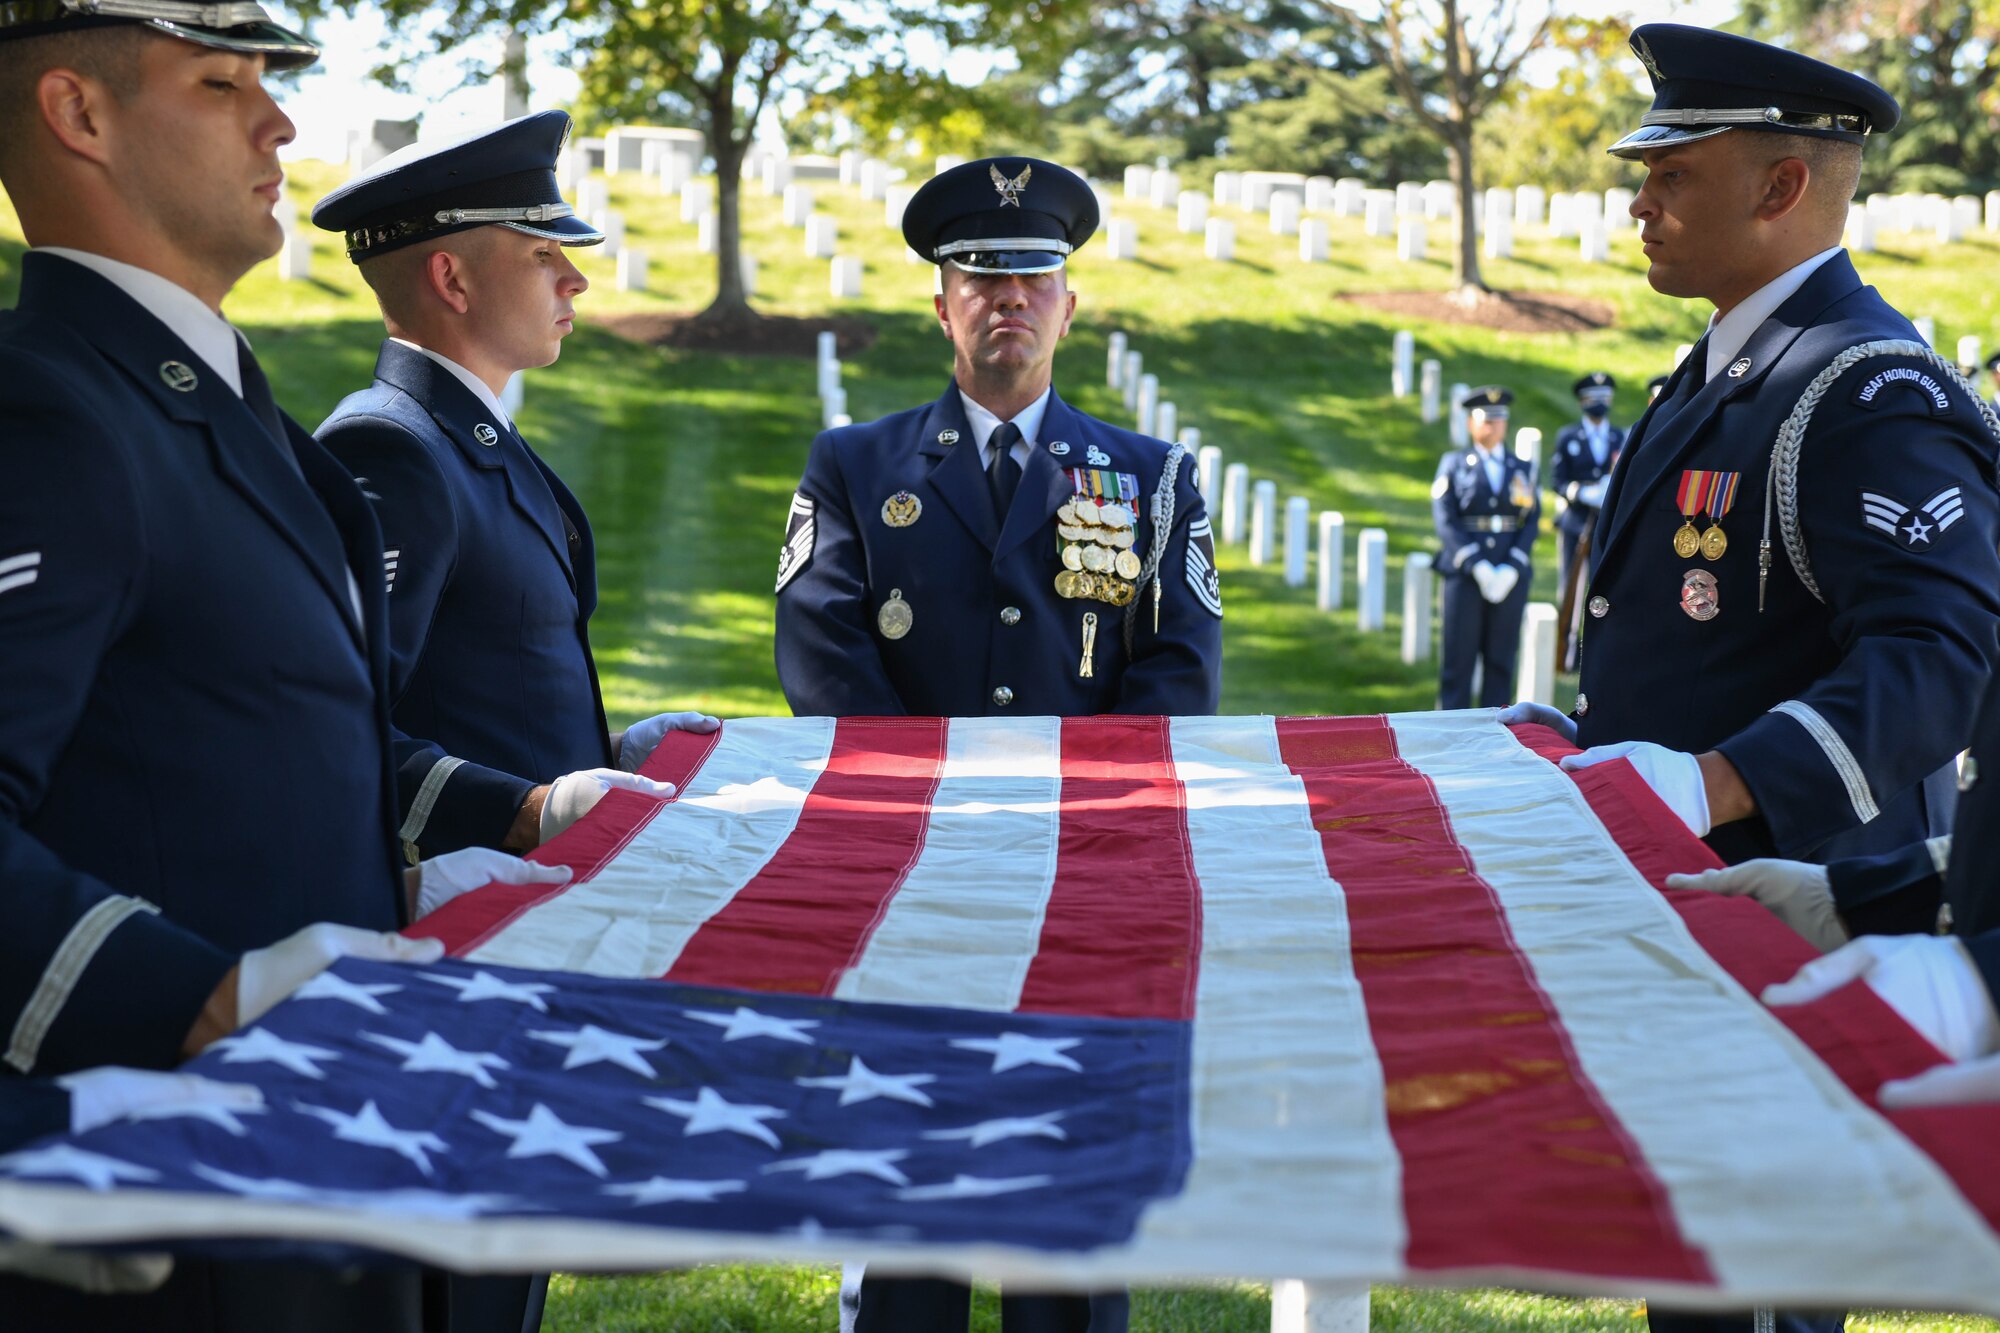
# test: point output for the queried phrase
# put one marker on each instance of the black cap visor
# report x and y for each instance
(1006, 261)
(566, 231)
(281, 47)
(1647, 138)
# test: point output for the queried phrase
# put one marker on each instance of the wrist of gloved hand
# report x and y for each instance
(574, 795)
(443, 878)
(1674, 776)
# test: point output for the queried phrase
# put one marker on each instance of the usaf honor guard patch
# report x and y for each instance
(1202, 577)
(1913, 531)
(797, 551)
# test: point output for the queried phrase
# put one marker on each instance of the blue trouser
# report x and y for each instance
(1476, 630)
(1746, 1321)
(935, 1305)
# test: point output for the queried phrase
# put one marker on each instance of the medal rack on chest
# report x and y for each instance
(1096, 530)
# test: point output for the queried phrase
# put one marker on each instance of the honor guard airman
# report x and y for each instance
(1487, 510)
(486, 554)
(196, 791)
(998, 552)
(1584, 452)
(1785, 618)
(1993, 381)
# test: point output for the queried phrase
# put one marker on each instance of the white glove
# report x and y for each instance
(443, 878)
(100, 1096)
(1946, 1085)
(1592, 493)
(574, 795)
(636, 743)
(1505, 576)
(1541, 715)
(1674, 776)
(1797, 893)
(1482, 574)
(1929, 979)
(266, 976)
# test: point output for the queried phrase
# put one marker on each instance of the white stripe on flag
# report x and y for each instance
(1289, 1117)
(636, 915)
(1769, 1161)
(963, 928)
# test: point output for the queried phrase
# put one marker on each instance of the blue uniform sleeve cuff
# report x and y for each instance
(135, 999)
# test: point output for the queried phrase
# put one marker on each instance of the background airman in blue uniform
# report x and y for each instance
(1486, 508)
(1584, 453)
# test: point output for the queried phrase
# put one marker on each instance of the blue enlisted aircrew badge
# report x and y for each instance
(177, 375)
(1096, 457)
(1913, 530)
(902, 509)
(486, 435)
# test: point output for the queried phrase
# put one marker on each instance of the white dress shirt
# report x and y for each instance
(1028, 421)
(207, 334)
(471, 381)
(1728, 333)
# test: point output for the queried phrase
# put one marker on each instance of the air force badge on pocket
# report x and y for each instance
(1203, 579)
(797, 551)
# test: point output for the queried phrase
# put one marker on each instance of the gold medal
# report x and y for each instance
(1123, 539)
(1071, 532)
(1687, 541)
(1072, 557)
(1096, 559)
(1127, 565)
(1122, 593)
(1067, 514)
(1086, 511)
(1713, 542)
(1069, 583)
(1114, 516)
(895, 617)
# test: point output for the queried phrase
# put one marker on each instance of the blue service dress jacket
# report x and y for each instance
(1840, 701)
(194, 745)
(988, 633)
(1474, 522)
(1574, 465)
(491, 577)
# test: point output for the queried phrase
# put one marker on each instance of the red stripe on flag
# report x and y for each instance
(1509, 1154)
(1121, 937)
(1861, 1039)
(806, 916)
(587, 846)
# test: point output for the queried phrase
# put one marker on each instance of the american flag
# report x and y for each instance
(1081, 1002)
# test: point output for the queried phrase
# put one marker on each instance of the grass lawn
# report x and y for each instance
(686, 463)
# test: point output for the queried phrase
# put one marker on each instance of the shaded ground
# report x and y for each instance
(765, 335)
(1509, 312)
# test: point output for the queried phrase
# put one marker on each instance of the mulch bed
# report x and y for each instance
(1509, 312)
(763, 335)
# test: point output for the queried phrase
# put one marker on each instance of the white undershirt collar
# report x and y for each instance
(207, 334)
(1727, 335)
(1028, 421)
(471, 381)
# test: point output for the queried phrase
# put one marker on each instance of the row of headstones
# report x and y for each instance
(1248, 509)
(1948, 220)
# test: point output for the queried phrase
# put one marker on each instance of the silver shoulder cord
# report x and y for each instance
(1781, 482)
(1163, 528)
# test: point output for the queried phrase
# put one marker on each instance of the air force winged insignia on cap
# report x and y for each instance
(1913, 530)
(1010, 189)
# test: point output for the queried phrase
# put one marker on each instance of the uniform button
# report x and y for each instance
(1600, 607)
(1002, 696)
(1582, 704)
(1010, 615)
(1968, 772)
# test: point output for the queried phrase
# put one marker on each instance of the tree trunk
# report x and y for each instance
(1471, 287)
(730, 307)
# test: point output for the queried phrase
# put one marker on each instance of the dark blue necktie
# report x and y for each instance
(1003, 474)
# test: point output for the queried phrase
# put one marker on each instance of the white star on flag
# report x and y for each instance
(708, 1113)
(486, 986)
(848, 1162)
(1014, 1127)
(262, 1046)
(543, 1134)
(333, 986)
(1011, 1050)
(749, 1023)
(214, 1113)
(435, 1055)
(61, 1160)
(402, 1203)
(591, 1045)
(972, 1187)
(368, 1128)
(662, 1190)
(862, 1084)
